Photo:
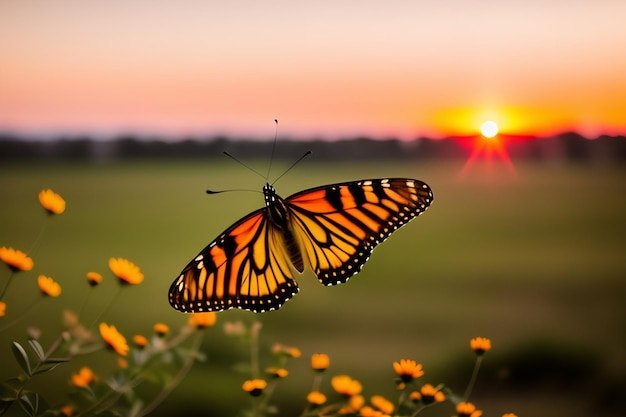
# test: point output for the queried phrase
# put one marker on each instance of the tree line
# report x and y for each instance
(567, 146)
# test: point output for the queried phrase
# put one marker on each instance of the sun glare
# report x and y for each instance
(489, 147)
(489, 129)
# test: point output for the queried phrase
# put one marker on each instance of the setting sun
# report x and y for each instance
(489, 129)
(489, 147)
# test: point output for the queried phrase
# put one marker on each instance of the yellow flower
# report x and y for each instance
(126, 271)
(293, 352)
(203, 320)
(94, 278)
(3, 308)
(368, 411)
(320, 361)
(509, 415)
(464, 409)
(114, 339)
(480, 345)
(161, 329)
(408, 369)
(415, 396)
(428, 394)
(67, 410)
(355, 403)
(140, 341)
(52, 202)
(345, 385)
(254, 386)
(16, 259)
(83, 378)
(277, 372)
(48, 286)
(122, 363)
(382, 404)
(316, 398)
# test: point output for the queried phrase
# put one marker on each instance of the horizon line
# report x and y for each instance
(197, 136)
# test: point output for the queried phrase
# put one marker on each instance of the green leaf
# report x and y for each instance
(45, 368)
(4, 406)
(56, 361)
(135, 408)
(30, 403)
(9, 389)
(37, 348)
(22, 358)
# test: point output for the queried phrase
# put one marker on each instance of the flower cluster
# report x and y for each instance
(344, 396)
(166, 355)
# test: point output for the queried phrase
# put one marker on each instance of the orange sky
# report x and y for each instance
(324, 68)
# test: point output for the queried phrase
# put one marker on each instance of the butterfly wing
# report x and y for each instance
(245, 267)
(338, 226)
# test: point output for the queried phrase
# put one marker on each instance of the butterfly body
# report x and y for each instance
(330, 230)
(279, 218)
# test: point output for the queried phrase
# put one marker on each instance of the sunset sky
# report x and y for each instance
(325, 68)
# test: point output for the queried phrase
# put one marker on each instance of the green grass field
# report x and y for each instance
(535, 262)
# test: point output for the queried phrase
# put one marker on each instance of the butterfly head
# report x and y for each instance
(270, 194)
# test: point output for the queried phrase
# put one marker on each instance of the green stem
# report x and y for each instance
(257, 406)
(107, 308)
(317, 381)
(110, 397)
(255, 368)
(255, 330)
(470, 386)
(85, 300)
(38, 238)
(401, 398)
(184, 333)
(6, 286)
(30, 251)
(177, 379)
(418, 410)
(264, 399)
(21, 316)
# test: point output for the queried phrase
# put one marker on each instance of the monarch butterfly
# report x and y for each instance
(331, 229)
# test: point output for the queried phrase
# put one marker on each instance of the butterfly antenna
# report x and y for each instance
(241, 163)
(273, 149)
(307, 153)
(229, 190)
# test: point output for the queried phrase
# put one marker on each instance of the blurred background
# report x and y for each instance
(125, 109)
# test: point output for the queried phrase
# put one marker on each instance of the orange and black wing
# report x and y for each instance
(245, 267)
(338, 226)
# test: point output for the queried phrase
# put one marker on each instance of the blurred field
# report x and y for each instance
(535, 262)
